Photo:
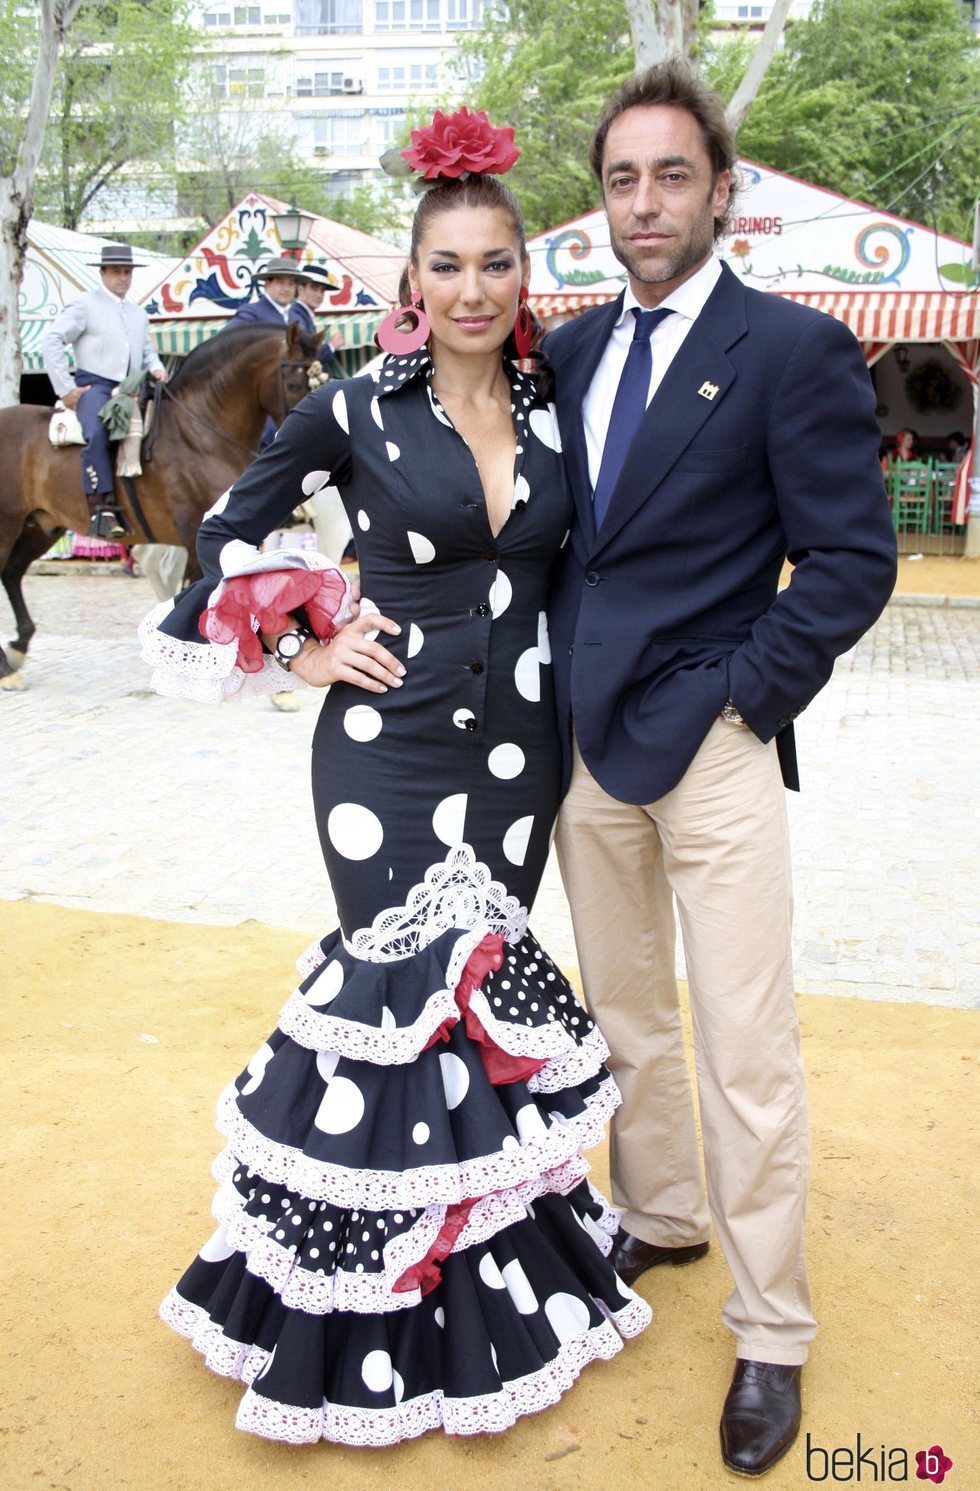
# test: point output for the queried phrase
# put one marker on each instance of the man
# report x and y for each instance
(279, 278)
(311, 287)
(707, 436)
(110, 340)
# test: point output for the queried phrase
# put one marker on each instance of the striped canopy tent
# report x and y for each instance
(892, 281)
(58, 267)
(205, 287)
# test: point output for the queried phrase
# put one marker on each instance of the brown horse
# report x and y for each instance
(208, 428)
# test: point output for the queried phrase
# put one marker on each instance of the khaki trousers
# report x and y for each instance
(719, 843)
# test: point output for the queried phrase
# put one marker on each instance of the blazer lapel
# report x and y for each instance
(573, 387)
(695, 385)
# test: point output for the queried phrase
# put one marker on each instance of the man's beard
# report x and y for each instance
(650, 269)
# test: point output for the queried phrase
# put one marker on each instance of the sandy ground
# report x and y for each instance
(932, 575)
(119, 1033)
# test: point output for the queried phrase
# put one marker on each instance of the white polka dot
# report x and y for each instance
(363, 521)
(519, 1288)
(388, 1021)
(516, 840)
(423, 550)
(235, 555)
(313, 481)
(392, 449)
(398, 1386)
(326, 1063)
(527, 675)
(501, 592)
(354, 831)
(420, 1133)
(361, 722)
(415, 640)
(217, 1248)
(377, 1373)
(567, 1316)
(218, 507)
(329, 983)
(529, 1123)
(339, 407)
(460, 717)
(490, 1273)
(376, 412)
(439, 1316)
(455, 1078)
(506, 761)
(544, 424)
(268, 1364)
(544, 643)
(522, 491)
(449, 818)
(509, 1144)
(342, 1108)
(493, 1358)
(624, 1289)
(257, 1067)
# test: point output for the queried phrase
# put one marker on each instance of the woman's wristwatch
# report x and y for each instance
(289, 646)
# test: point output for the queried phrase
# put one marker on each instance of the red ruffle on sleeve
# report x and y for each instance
(270, 597)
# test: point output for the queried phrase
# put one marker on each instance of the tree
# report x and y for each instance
(104, 114)
(25, 93)
(876, 99)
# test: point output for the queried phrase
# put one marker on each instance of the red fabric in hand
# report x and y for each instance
(270, 597)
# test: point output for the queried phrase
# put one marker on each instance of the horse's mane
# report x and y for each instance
(213, 362)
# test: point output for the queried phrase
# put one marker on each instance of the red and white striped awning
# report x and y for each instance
(917, 316)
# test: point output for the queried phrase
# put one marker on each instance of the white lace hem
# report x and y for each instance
(388, 1190)
(204, 671)
(320, 1293)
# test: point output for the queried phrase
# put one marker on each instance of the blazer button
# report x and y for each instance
(591, 578)
(476, 667)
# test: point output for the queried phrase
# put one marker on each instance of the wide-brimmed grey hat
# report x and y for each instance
(280, 267)
(115, 256)
(316, 274)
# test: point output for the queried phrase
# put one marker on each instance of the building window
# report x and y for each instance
(247, 15)
(218, 18)
(389, 128)
(463, 15)
(399, 72)
(339, 135)
(328, 17)
(246, 82)
(406, 15)
(338, 77)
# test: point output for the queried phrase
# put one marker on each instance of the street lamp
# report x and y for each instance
(294, 228)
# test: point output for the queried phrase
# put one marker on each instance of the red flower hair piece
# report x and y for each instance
(456, 144)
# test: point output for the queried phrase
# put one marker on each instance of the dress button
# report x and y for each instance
(469, 724)
(491, 554)
(476, 667)
(483, 609)
(591, 578)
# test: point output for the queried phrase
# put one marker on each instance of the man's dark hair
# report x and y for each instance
(676, 84)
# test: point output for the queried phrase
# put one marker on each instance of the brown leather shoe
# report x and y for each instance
(631, 1256)
(761, 1416)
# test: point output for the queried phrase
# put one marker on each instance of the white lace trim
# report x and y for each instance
(319, 1293)
(389, 1190)
(311, 958)
(611, 1215)
(204, 671)
(224, 1356)
(459, 892)
(489, 1414)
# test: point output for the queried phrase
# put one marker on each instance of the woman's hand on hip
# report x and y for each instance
(352, 658)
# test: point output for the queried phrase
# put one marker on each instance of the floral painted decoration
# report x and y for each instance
(460, 144)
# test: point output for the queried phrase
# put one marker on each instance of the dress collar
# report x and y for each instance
(399, 370)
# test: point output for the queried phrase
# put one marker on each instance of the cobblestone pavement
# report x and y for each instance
(113, 799)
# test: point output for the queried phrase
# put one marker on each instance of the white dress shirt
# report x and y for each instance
(687, 303)
(108, 335)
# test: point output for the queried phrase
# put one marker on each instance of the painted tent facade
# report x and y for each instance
(205, 287)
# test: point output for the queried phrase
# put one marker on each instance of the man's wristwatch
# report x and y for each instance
(289, 646)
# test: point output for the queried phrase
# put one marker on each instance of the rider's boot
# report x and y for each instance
(106, 520)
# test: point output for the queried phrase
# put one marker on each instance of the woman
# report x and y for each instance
(407, 1238)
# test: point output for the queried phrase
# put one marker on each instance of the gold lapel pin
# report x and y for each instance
(708, 390)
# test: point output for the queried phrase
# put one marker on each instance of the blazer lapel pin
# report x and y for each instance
(708, 390)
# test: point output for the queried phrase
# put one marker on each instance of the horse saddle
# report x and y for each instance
(64, 428)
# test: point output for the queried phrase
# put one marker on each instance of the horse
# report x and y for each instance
(206, 431)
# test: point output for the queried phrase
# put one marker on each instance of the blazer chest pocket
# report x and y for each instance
(730, 459)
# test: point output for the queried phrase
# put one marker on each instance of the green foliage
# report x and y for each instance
(18, 47)
(876, 99)
(116, 99)
(546, 67)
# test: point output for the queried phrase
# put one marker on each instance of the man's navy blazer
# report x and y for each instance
(761, 441)
(261, 310)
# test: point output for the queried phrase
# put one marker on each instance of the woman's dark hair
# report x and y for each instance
(447, 196)
(676, 84)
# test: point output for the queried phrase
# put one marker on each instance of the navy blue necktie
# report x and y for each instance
(629, 407)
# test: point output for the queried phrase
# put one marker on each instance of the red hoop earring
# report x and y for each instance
(396, 342)
(523, 325)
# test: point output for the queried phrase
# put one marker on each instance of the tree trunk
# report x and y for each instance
(747, 89)
(17, 190)
(657, 29)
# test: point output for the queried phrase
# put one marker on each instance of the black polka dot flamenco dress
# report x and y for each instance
(407, 1236)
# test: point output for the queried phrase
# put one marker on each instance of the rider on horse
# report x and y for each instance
(110, 338)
